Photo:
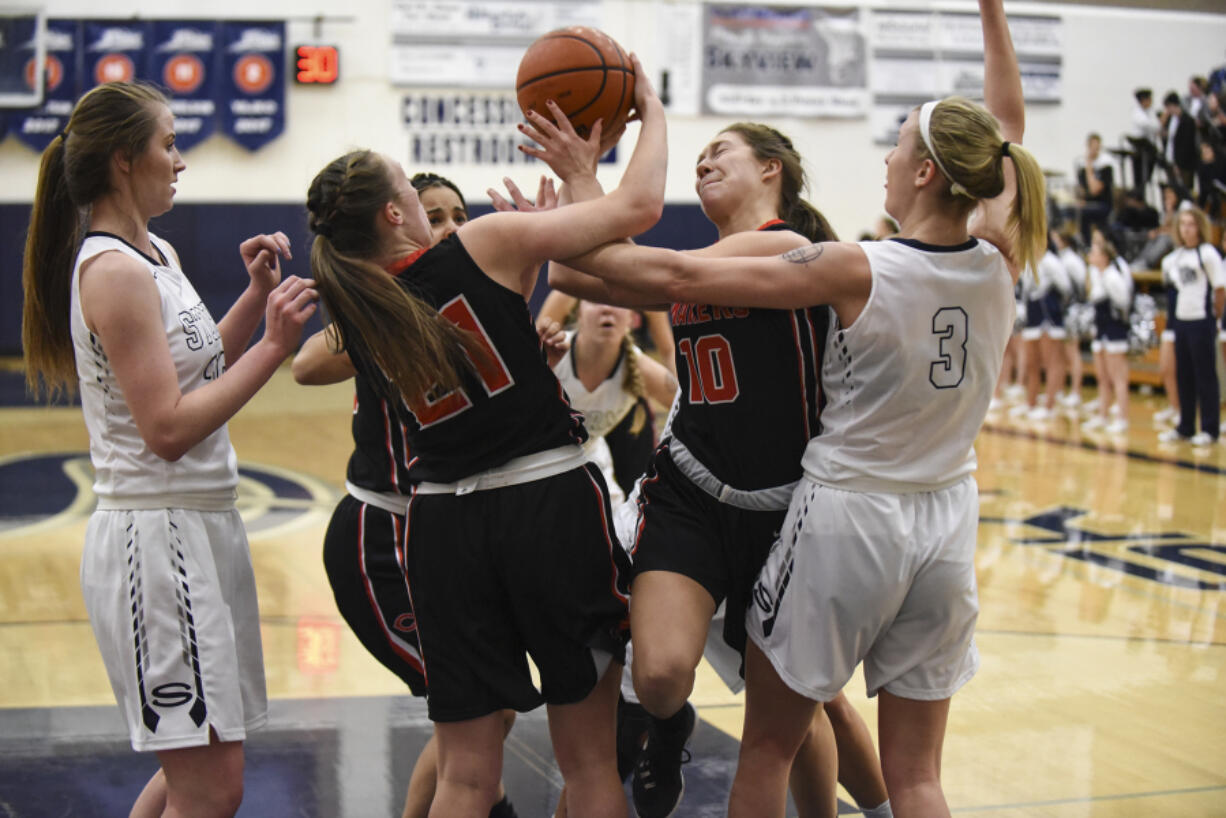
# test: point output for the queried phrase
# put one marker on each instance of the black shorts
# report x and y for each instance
(372, 594)
(497, 575)
(683, 529)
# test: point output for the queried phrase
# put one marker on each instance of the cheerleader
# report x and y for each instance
(1078, 315)
(1110, 292)
(1195, 270)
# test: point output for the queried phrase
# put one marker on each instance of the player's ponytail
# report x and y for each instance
(116, 117)
(377, 319)
(633, 383)
(963, 140)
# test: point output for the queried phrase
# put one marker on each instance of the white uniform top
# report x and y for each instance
(1195, 272)
(909, 382)
(1114, 283)
(1075, 269)
(1049, 273)
(127, 473)
(605, 406)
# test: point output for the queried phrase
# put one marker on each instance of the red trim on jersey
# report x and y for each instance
(401, 264)
(800, 366)
(771, 223)
(391, 449)
(610, 540)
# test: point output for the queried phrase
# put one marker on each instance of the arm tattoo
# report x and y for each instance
(803, 255)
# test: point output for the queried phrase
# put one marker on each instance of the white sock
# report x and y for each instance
(880, 811)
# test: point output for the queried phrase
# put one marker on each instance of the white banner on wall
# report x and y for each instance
(783, 60)
(496, 19)
(474, 43)
(922, 55)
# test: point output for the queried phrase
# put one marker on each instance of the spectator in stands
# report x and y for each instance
(1178, 141)
(1143, 137)
(1198, 88)
(1133, 222)
(1211, 180)
(1095, 186)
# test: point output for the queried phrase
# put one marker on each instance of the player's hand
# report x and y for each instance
(546, 197)
(558, 145)
(553, 340)
(261, 256)
(644, 91)
(289, 306)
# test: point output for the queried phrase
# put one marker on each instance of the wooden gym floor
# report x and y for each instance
(1102, 570)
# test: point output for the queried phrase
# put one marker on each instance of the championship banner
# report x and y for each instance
(253, 82)
(181, 60)
(114, 52)
(783, 61)
(38, 126)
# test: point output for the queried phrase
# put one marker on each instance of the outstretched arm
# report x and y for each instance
(834, 273)
(1002, 80)
(1002, 95)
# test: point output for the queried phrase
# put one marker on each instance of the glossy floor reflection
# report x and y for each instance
(1102, 571)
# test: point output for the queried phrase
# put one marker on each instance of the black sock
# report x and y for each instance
(674, 725)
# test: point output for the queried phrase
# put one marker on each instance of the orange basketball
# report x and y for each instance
(584, 71)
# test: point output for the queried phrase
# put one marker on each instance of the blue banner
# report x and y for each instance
(181, 60)
(38, 126)
(114, 52)
(253, 82)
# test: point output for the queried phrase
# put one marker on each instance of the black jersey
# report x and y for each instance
(750, 394)
(381, 452)
(513, 407)
(380, 459)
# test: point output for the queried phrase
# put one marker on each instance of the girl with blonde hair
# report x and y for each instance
(875, 562)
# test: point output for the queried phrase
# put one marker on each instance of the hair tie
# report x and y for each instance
(925, 118)
(64, 135)
(1004, 148)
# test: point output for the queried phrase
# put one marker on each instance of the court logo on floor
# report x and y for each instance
(49, 490)
(1167, 557)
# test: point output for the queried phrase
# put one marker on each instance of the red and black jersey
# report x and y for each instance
(513, 406)
(750, 395)
(380, 459)
(381, 454)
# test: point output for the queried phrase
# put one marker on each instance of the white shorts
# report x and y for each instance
(171, 597)
(1114, 347)
(1035, 333)
(887, 579)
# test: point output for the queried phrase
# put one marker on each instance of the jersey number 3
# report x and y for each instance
(949, 325)
(492, 370)
(712, 372)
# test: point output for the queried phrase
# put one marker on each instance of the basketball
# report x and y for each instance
(584, 71)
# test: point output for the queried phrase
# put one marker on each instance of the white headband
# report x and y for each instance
(925, 117)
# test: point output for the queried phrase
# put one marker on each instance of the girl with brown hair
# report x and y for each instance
(875, 562)
(166, 572)
(508, 549)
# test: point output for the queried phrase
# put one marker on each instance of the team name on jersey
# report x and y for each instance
(682, 314)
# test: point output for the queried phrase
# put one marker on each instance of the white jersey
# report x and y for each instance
(1196, 272)
(909, 382)
(127, 473)
(605, 406)
(1075, 269)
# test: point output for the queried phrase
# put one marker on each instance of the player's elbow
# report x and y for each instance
(168, 446)
(304, 373)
